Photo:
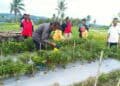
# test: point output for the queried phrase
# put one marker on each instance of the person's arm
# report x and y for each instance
(21, 24)
(119, 38)
(108, 35)
(45, 37)
(32, 25)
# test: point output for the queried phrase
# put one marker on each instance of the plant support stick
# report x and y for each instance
(99, 66)
(118, 84)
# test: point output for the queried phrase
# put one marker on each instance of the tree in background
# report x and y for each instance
(61, 10)
(75, 21)
(16, 7)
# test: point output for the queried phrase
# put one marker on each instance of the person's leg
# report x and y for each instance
(25, 37)
(37, 45)
(69, 35)
(43, 46)
(86, 34)
(113, 45)
(65, 35)
(80, 35)
(108, 44)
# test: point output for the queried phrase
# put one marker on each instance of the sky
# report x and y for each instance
(103, 11)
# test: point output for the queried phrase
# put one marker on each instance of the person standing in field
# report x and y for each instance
(26, 26)
(88, 22)
(68, 29)
(42, 35)
(113, 37)
(83, 31)
(63, 26)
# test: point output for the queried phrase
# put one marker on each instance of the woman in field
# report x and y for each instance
(68, 29)
(83, 31)
(27, 26)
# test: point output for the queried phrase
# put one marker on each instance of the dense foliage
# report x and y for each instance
(19, 58)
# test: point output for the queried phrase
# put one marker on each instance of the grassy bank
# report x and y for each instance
(4, 27)
(110, 79)
(74, 50)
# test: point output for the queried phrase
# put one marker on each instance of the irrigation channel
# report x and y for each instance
(73, 73)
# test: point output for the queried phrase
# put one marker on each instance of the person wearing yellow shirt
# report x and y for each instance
(57, 36)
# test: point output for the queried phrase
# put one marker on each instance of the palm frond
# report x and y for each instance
(21, 8)
(17, 6)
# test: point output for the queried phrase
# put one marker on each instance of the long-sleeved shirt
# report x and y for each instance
(42, 34)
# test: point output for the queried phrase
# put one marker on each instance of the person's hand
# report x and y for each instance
(57, 46)
(52, 44)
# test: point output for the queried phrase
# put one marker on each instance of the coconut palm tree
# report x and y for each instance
(61, 8)
(16, 7)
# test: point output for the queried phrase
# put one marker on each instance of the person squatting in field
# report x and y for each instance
(113, 37)
(42, 35)
(26, 26)
(83, 29)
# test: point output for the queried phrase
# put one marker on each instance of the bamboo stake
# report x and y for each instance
(99, 67)
(118, 84)
(1, 65)
(74, 48)
(2, 59)
(1, 83)
(32, 65)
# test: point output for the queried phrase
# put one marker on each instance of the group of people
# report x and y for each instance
(59, 32)
(45, 31)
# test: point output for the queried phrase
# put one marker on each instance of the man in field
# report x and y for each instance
(113, 37)
(42, 35)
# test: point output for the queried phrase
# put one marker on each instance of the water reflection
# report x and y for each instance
(73, 73)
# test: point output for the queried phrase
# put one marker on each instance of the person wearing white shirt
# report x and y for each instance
(113, 33)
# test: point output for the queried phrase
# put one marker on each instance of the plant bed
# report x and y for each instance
(110, 79)
(73, 50)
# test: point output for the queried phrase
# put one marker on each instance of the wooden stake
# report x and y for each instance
(99, 66)
(118, 84)
(74, 48)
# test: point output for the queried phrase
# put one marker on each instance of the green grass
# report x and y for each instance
(5, 27)
(9, 27)
(75, 49)
(110, 79)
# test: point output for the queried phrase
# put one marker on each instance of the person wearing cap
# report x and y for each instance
(42, 35)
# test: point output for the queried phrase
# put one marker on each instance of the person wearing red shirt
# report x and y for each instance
(27, 26)
(68, 29)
